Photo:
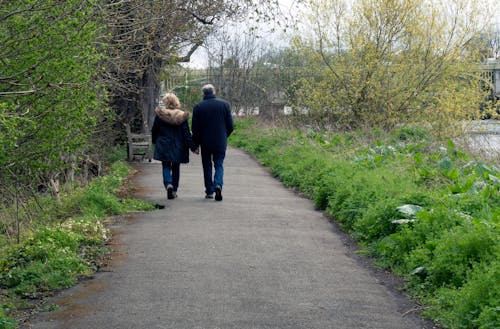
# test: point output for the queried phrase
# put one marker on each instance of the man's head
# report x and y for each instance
(208, 89)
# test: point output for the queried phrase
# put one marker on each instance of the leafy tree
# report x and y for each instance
(382, 62)
(49, 102)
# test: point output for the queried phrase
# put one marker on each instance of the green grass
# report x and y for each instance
(428, 212)
(66, 242)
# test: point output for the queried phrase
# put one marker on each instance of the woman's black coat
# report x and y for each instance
(172, 142)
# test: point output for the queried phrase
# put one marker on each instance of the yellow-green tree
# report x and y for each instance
(383, 62)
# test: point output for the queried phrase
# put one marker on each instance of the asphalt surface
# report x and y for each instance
(262, 258)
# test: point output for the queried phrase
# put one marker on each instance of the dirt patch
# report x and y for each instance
(71, 307)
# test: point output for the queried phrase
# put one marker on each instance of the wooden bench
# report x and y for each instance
(139, 145)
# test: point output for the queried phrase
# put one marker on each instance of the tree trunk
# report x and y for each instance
(150, 92)
(54, 188)
(148, 100)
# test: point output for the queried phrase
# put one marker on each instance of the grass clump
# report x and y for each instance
(66, 242)
(427, 211)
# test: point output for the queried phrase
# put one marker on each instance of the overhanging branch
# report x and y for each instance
(186, 58)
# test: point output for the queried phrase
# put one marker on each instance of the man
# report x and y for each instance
(211, 126)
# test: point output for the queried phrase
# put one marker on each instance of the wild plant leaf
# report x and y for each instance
(494, 179)
(464, 215)
(482, 170)
(425, 173)
(452, 174)
(418, 158)
(477, 187)
(451, 146)
(445, 165)
(410, 209)
(418, 270)
(403, 221)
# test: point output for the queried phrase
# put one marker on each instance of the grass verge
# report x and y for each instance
(429, 212)
(66, 242)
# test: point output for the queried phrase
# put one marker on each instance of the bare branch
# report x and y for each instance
(22, 92)
(186, 58)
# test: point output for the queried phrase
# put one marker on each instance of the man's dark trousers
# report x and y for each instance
(217, 157)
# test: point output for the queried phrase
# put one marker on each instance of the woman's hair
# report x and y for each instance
(171, 101)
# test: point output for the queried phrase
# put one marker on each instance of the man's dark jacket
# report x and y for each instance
(212, 123)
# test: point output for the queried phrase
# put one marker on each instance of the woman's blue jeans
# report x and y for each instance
(171, 174)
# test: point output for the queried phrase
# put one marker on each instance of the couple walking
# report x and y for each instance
(212, 124)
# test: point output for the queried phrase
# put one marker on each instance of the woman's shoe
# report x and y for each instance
(170, 192)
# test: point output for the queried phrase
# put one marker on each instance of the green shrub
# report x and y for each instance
(116, 154)
(6, 322)
(100, 199)
(377, 221)
(49, 260)
(474, 305)
(458, 251)
(412, 134)
(426, 211)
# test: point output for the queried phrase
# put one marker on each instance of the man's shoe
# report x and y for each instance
(209, 196)
(170, 192)
(218, 193)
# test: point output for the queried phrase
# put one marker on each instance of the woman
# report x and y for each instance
(172, 139)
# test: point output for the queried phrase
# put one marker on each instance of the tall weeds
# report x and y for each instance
(427, 211)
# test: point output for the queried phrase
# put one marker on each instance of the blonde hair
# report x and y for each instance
(171, 101)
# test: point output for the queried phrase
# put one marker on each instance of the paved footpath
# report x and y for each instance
(263, 258)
